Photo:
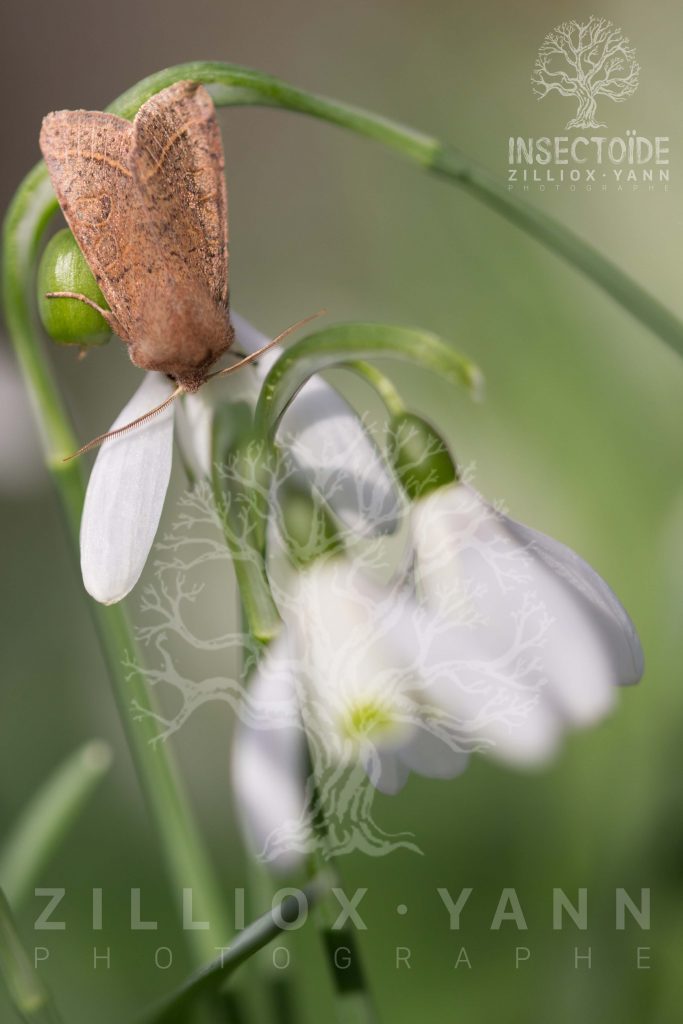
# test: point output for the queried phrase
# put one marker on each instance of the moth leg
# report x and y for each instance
(106, 313)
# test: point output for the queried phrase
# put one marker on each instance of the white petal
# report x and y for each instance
(597, 598)
(125, 496)
(193, 420)
(331, 445)
(433, 757)
(268, 764)
(489, 711)
(386, 771)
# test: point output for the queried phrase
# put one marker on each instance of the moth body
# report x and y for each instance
(185, 340)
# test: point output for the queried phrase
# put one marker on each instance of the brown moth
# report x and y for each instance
(147, 204)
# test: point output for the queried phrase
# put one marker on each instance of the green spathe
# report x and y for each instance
(419, 456)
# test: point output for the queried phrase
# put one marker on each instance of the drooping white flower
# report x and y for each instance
(349, 661)
(507, 639)
(556, 639)
(129, 480)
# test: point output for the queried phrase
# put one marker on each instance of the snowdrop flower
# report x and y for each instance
(504, 640)
(542, 640)
(557, 640)
(344, 680)
(131, 474)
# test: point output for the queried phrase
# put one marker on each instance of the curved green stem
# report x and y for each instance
(345, 344)
(625, 290)
(232, 85)
(381, 384)
(173, 1009)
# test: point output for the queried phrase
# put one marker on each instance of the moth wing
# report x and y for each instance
(177, 159)
(87, 156)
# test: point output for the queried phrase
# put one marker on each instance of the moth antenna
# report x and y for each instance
(180, 389)
(129, 426)
(271, 344)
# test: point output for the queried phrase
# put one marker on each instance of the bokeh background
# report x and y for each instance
(579, 434)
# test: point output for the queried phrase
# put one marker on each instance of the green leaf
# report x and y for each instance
(255, 936)
(348, 343)
(29, 996)
(48, 818)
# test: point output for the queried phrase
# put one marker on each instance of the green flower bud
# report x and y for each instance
(63, 269)
(419, 456)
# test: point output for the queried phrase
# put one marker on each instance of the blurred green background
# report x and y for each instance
(579, 434)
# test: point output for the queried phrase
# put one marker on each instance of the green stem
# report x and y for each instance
(344, 344)
(384, 388)
(450, 164)
(254, 937)
(186, 859)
